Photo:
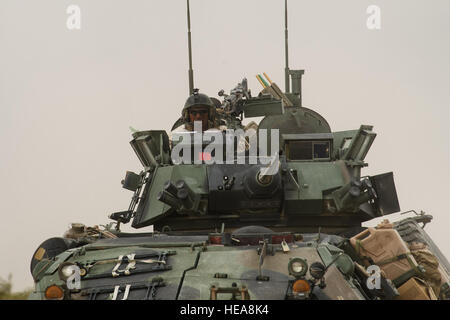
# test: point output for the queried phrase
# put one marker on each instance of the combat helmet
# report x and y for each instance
(199, 99)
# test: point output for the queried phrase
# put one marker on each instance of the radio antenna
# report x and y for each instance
(286, 69)
(191, 72)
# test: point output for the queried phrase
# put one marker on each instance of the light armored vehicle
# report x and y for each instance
(275, 213)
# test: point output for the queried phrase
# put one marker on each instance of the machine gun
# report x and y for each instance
(234, 102)
(240, 102)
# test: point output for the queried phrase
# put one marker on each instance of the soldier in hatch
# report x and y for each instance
(198, 107)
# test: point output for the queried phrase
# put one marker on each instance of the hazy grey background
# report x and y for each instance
(68, 97)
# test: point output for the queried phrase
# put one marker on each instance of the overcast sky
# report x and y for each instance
(67, 97)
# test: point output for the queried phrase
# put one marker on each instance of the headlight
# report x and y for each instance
(66, 269)
(317, 270)
(297, 267)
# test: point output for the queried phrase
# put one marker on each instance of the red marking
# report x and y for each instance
(277, 239)
(204, 156)
(215, 239)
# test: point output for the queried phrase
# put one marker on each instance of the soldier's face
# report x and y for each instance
(199, 114)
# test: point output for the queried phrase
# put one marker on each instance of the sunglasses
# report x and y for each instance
(200, 112)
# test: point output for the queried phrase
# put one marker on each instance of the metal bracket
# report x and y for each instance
(158, 264)
(150, 288)
(262, 254)
(242, 292)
